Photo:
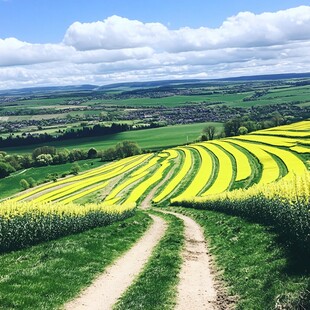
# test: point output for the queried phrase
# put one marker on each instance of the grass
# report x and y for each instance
(256, 267)
(10, 185)
(155, 288)
(48, 275)
(155, 138)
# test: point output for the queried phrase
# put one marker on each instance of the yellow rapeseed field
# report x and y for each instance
(173, 183)
(201, 178)
(225, 171)
(243, 166)
(270, 168)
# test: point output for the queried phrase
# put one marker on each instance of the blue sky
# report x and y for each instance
(45, 21)
(62, 42)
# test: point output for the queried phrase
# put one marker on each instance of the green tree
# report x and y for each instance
(92, 153)
(32, 182)
(5, 169)
(44, 150)
(242, 130)
(209, 132)
(109, 154)
(127, 148)
(231, 127)
(77, 154)
(75, 168)
(44, 160)
(24, 184)
(52, 177)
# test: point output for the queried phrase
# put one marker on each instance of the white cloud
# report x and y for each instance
(243, 30)
(119, 49)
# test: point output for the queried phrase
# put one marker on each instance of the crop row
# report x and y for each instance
(82, 185)
(26, 223)
(285, 205)
(200, 169)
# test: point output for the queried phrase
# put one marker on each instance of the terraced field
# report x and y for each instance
(262, 176)
(196, 170)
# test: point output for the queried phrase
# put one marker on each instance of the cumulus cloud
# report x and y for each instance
(243, 30)
(119, 49)
(114, 33)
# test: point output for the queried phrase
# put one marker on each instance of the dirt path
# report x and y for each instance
(197, 288)
(109, 286)
(147, 201)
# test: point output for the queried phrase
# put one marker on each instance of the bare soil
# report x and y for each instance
(196, 289)
(108, 287)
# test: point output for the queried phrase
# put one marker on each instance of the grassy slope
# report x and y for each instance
(47, 275)
(255, 265)
(10, 185)
(147, 138)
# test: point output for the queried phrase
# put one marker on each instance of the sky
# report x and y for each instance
(72, 42)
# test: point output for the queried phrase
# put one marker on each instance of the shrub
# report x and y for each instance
(24, 184)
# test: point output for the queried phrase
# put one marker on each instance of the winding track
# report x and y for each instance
(109, 286)
(196, 289)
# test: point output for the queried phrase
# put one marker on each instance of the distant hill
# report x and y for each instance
(148, 84)
(282, 76)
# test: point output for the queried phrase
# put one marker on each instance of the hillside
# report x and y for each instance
(257, 184)
(200, 169)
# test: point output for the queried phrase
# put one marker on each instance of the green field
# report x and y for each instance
(10, 185)
(154, 138)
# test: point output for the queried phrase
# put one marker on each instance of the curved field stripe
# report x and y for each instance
(146, 184)
(153, 161)
(173, 153)
(243, 166)
(131, 179)
(225, 171)
(303, 126)
(301, 134)
(293, 164)
(82, 176)
(140, 173)
(304, 142)
(300, 149)
(174, 182)
(276, 141)
(84, 193)
(68, 189)
(270, 169)
(113, 201)
(201, 178)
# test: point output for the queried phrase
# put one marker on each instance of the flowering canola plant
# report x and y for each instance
(224, 176)
(270, 169)
(201, 178)
(26, 223)
(243, 166)
(173, 183)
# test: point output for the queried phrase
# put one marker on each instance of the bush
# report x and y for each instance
(121, 150)
(32, 182)
(5, 169)
(75, 169)
(92, 153)
(24, 184)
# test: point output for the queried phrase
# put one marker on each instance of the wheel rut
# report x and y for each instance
(197, 287)
(109, 286)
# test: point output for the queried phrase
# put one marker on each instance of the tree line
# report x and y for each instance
(243, 125)
(49, 155)
(84, 132)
